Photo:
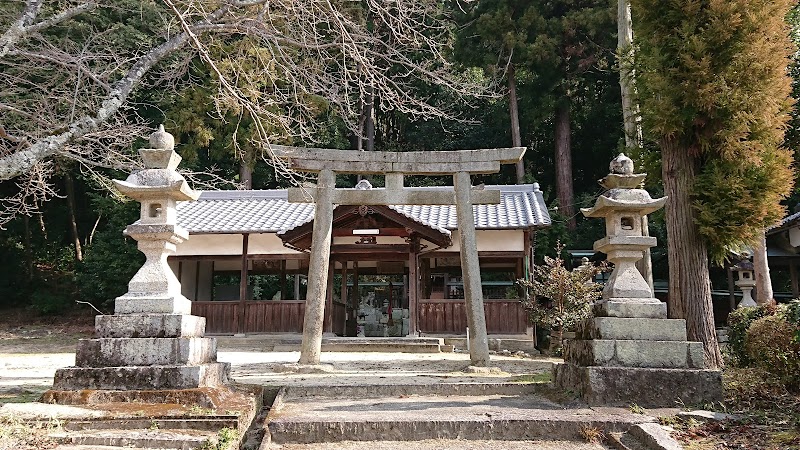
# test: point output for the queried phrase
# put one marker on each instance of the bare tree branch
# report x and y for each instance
(277, 64)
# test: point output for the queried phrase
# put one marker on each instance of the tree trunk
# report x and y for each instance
(627, 82)
(26, 220)
(764, 293)
(73, 224)
(516, 138)
(369, 124)
(630, 111)
(564, 190)
(246, 168)
(689, 284)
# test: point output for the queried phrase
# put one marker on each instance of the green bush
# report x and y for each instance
(791, 313)
(739, 321)
(770, 344)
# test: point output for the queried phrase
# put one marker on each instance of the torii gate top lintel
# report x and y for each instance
(479, 161)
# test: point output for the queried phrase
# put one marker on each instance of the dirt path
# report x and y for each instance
(30, 355)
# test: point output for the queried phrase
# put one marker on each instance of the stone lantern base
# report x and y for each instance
(144, 352)
(632, 353)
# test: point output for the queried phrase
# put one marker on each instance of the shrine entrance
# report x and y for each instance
(373, 274)
(394, 165)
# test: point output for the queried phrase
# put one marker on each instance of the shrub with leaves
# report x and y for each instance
(739, 321)
(791, 313)
(771, 345)
(561, 298)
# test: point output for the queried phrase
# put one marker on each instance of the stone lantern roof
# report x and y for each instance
(623, 192)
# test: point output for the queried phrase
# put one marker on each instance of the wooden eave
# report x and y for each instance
(346, 217)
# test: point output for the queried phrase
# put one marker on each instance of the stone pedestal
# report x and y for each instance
(145, 352)
(630, 352)
(638, 356)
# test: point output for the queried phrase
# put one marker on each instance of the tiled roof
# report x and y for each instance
(785, 222)
(522, 206)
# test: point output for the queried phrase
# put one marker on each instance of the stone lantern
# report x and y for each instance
(746, 282)
(622, 207)
(151, 344)
(154, 288)
(631, 352)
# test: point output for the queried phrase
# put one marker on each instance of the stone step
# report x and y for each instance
(649, 308)
(635, 353)
(113, 352)
(162, 439)
(399, 390)
(646, 387)
(414, 418)
(93, 447)
(377, 347)
(633, 329)
(198, 424)
(141, 377)
(149, 325)
(443, 444)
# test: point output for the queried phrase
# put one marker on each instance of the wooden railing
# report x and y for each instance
(275, 316)
(449, 316)
(445, 316)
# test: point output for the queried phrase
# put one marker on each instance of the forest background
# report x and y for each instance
(554, 63)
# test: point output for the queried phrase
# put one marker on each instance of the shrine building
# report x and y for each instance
(245, 265)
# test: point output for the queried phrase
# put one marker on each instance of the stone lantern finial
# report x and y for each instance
(162, 140)
(621, 165)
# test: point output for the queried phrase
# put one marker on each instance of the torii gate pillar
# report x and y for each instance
(460, 164)
(318, 267)
(471, 272)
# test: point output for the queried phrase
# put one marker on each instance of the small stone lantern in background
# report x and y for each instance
(746, 282)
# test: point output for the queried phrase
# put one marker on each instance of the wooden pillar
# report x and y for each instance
(343, 297)
(283, 280)
(243, 285)
(471, 272)
(297, 286)
(329, 300)
(413, 287)
(356, 297)
(795, 281)
(197, 279)
(318, 266)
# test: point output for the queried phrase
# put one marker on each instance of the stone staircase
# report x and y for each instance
(445, 415)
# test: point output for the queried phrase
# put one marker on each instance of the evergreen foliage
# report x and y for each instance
(561, 298)
(713, 79)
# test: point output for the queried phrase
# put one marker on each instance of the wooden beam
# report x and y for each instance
(360, 248)
(255, 256)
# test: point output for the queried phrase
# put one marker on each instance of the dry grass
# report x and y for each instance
(16, 434)
(770, 416)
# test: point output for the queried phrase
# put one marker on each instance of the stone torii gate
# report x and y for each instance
(460, 164)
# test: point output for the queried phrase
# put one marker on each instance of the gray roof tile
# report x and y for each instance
(522, 206)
